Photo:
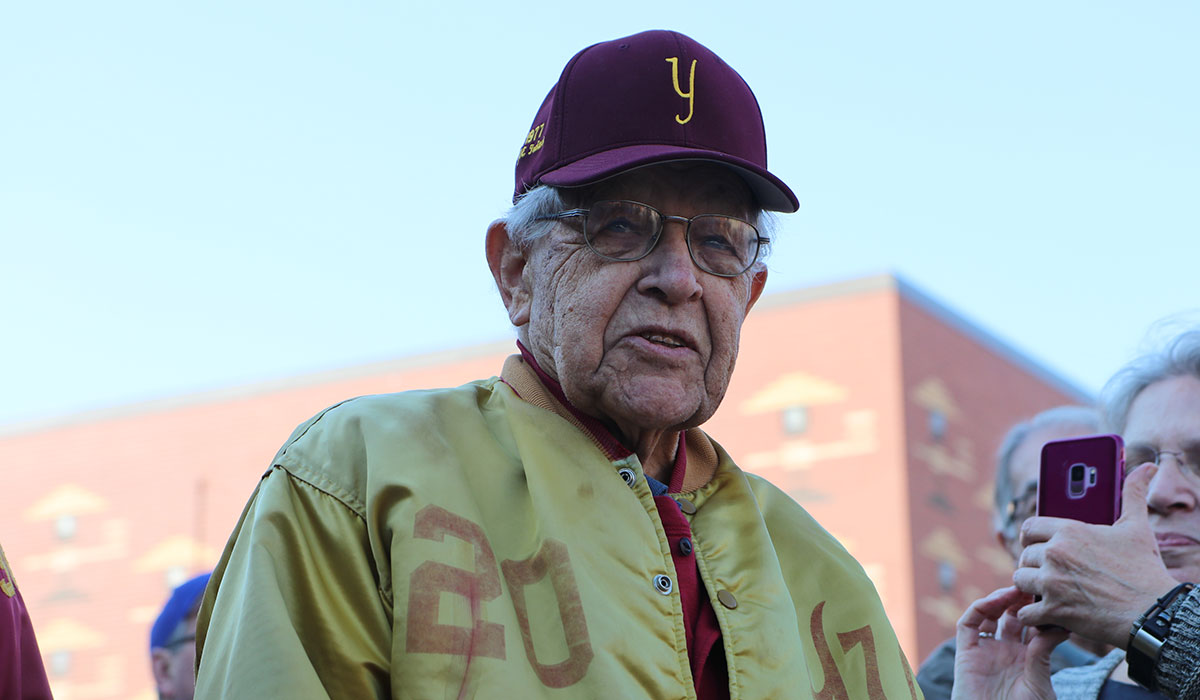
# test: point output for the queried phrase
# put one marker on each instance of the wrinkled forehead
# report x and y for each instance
(1166, 412)
(706, 186)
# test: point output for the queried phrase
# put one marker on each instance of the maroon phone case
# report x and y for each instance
(1062, 496)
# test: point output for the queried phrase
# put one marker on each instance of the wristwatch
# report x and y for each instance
(1148, 635)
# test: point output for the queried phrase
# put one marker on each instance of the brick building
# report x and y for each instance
(875, 407)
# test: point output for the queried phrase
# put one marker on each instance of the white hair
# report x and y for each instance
(523, 224)
(1180, 357)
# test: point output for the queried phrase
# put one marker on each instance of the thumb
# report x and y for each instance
(1037, 659)
(1133, 493)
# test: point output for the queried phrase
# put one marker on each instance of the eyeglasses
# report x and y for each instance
(1019, 509)
(625, 231)
(1188, 459)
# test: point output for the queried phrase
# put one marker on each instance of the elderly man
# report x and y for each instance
(1018, 463)
(173, 641)
(1129, 585)
(565, 530)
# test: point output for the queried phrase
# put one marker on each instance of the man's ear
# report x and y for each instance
(757, 282)
(507, 261)
(160, 666)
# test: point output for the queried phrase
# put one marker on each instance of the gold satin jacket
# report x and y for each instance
(465, 543)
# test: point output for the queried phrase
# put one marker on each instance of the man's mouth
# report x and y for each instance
(669, 341)
(1174, 539)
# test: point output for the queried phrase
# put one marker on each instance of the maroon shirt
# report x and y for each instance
(22, 676)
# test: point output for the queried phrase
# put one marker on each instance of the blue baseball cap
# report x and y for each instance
(183, 599)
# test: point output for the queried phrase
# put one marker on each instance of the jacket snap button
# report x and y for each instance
(685, 546)
(628, 476)
(663, 584)
(727, 599)
(687, 506)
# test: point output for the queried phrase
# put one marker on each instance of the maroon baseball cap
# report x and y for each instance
(653, 97)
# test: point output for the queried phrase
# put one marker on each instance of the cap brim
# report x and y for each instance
(769, 190)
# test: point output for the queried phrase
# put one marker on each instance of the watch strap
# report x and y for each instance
(1149, 633)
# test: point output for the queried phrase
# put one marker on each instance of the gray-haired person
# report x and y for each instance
(1130, 584)
(566, 529)
(1014, 500)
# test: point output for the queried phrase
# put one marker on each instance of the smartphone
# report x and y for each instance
(1081, 479)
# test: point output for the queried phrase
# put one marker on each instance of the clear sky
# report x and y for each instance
(196, 195)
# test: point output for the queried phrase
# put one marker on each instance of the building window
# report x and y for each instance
(60, 663)
(176, 575)
(795, 420)
(937, 425)
(947, 575)
(65, 526)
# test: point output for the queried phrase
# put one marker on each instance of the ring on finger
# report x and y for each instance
(987, 635)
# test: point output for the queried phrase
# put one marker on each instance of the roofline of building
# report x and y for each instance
(859, 285)
(894, 282)
(258, 388)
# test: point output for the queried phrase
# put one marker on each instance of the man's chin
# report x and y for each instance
(655, 408)
(1185, 569)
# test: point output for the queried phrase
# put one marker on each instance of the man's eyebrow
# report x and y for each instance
(1190, 445)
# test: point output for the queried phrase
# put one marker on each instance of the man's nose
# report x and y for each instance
(669, 271)
(1172, 488)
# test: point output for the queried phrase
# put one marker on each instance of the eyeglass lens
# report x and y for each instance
(1022, 506)
(1187, 459)
(622, 230)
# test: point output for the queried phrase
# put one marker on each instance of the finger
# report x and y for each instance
(1028, 580)
(1041, 644)
(1010, 627)
(980, 616)
(1133, 494)
(990, 607)
(1034, 614)
(987, 631)
(1041, 528)
(1033, 556)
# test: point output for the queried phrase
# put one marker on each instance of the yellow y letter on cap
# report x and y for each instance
(690, 95)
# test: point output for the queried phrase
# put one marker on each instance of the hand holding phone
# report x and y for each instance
(1081, 479)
